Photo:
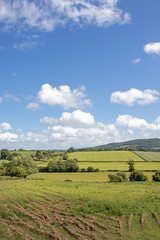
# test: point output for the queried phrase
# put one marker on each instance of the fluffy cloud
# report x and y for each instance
(153, 47)
(8, 137)
(76, 118)
(130, 122)
(134, 95)
(33, 106)
(59, 136)
(5, 126)
(136, 61)
(47, 14)
(80, 137)
(63, 96)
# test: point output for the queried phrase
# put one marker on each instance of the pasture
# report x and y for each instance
(105, 156)
(82, 205)
(120, 166)
(48, 206)
(149, 156)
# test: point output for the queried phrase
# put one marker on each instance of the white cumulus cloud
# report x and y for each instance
(76, 118)
(48, 14)
(8, 137)
(134, 96)
(63, 96)
(5, 126)
(152, 48)
(130, 122)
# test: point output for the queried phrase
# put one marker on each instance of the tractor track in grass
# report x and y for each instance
(46, 216)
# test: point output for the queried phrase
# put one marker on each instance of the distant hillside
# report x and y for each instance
(146, 144)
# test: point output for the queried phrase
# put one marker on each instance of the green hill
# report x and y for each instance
(138, 144)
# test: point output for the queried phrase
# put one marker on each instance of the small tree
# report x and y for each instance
(71, 149)
(18, 171)
(24, 162)
(131, 165)
(115, 178)
(156, 177)
(39, 155)
(137, 176)
(5, 153)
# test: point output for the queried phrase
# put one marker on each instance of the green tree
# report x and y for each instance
(24, 162)
(156, 177)
(137, 176)
(18, 171)
(5, 153)
(131, 165)
(71, 149)
(39, 155)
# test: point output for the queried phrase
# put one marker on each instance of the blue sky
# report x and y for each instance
(78, 72)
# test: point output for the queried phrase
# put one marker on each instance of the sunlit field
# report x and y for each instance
(78, 206)
(149, 156)
(106, 156)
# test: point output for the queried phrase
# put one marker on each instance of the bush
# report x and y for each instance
(115, 178)
(123, 175)
(24, 162)
(2, 172)
(92, 169)
(5, 153)
(63, 166)
(156, 177)
(138, 176)
(83, 170)
(18, 172)
(12, 155)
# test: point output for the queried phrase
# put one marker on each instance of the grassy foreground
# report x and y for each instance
(78, 206)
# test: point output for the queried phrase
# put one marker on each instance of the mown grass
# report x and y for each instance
(121, 166)
(149, 156)
(105, 156)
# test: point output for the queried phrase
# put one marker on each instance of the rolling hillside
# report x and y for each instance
(146, 144)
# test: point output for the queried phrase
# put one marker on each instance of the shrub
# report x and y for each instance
(2, 172)
(156, 177)
(24, 162)
(17, 171)
(96, 170)
(90, 169)
(115, 178)
(83, 170)
(12, 155)
(5, 153)
(63, 166)
(123, 175)
(137, 176)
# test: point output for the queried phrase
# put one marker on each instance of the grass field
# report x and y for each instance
(149, 156)
(106, 156)
(25, 153)
(82, 206)
(120, 166)
(45, 206)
